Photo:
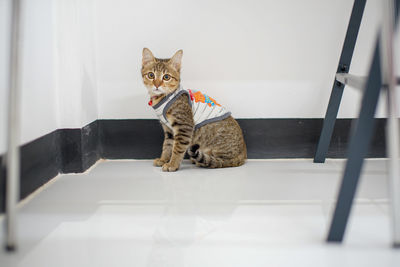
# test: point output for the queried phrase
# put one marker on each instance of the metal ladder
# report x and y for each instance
(381, 76)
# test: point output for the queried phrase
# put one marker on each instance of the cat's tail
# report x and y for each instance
(204, 159)
(207, 160)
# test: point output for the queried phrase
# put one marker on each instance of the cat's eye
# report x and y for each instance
(166, 77)
(150, 75)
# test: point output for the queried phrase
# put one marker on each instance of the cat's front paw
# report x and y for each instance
(159, 162)
(168, 167)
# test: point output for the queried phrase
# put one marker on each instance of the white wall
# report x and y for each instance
(75, 62)
(58, 71)
(260, 58)
(38, 103)
(38, 112)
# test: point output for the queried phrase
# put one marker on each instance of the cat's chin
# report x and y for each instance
(157, 94)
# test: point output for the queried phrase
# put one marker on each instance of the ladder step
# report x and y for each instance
(355, 81)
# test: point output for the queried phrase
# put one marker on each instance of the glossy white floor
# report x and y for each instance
(265, 213)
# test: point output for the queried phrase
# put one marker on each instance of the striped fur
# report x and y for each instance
(214, 145)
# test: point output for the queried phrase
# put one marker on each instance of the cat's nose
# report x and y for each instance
(157, 84)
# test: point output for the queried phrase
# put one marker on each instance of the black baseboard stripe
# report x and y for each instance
(40, 162)
(75, 150)
(130, 139)
(298, 138)
(265, 138)
(61, 151)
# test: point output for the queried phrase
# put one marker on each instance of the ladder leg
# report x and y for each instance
(392, 136)
(13, 159)
(361, 136)
(329, 122)
(337, 89)
(392, 133)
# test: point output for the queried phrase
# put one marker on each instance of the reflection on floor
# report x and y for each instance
(265, 213)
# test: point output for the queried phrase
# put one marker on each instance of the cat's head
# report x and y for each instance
(161, 76)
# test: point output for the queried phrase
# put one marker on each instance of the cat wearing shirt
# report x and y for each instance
(192, 121)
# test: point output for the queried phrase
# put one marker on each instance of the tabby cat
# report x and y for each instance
(192, 122)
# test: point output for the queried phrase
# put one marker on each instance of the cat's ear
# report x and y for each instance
(147, 56)
(176, 60)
